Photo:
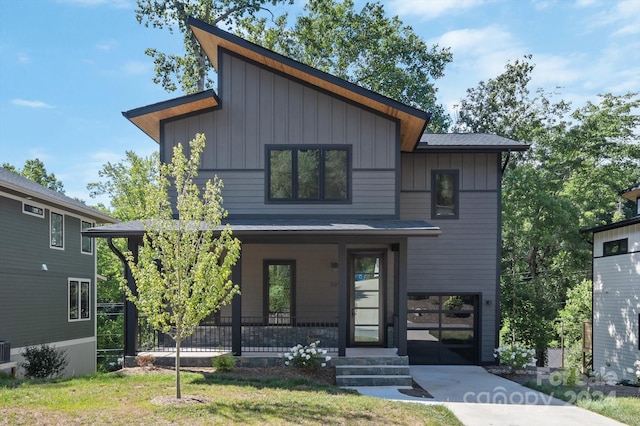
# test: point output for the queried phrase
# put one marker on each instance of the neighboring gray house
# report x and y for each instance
(47, 271)
(616, 294)
(377, 235)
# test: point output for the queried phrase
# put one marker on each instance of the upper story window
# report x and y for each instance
(444, 194)
(86, 243)
(57, 230)
(32, 210)
(612, 248)
(308, 173)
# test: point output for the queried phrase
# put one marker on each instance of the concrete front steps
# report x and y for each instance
(372, 371)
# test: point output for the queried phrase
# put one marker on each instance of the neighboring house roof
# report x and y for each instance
(468, 141)
(412, 120)
(18, 185)
(609, 226)
(299, 227)
(632, 193)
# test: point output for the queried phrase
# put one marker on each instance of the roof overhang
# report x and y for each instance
(292, 227)
(148, 118)
(632, 194)
(412, 120)
(610, 226)
(468, 142)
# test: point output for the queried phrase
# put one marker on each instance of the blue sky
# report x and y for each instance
(69, 67)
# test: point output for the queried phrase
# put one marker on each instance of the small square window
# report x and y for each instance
(444, 194)
(613, 248)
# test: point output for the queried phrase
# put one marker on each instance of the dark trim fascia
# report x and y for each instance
(159, 106)
(468, 149)
(610, 226)
(498, 289)
(306, 68)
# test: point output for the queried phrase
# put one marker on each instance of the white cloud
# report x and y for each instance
(624, 15)
(585, 3)
(135, 68)
(434, 8)
(552, 71)
(23, 58)
(30, 104)
(107, 45)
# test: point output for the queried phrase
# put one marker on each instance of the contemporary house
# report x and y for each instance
(47, 272)
(357, 228)
(616, 294)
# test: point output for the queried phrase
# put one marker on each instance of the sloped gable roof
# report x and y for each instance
(412, 120)
(20, 185)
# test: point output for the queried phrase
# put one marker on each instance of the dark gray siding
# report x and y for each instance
(262, 108)
(33, 303)
(464, 259)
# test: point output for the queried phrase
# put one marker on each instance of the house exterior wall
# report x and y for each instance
(34, 303)
(260, 108)
(616, 304)
(465, 258)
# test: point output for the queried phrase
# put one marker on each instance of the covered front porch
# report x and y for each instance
(340, 282)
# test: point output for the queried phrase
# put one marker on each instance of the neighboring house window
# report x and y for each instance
(79, 306)
(86, 242)
(444, 194)
(57, 230)
(32, 210)
(279, 291)
(308, 174)
(612, 248)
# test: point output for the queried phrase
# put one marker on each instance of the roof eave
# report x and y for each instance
(148, 118)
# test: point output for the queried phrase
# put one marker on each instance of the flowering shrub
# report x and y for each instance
(309, 356)
(515, 356)
(637, 366)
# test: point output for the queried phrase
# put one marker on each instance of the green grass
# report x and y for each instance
(113, 399)
(624, 409)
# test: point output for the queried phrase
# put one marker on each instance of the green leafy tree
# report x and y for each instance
(183, 268)
(191, 70)
(576, 311)
(365, 47)
(568, 180)
(34, 170)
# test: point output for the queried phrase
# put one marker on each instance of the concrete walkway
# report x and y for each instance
(479, 398)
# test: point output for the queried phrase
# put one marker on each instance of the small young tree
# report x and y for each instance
(183, 269)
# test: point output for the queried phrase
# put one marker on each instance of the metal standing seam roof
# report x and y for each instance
(292, 226)
(467, 141)
(29, 188)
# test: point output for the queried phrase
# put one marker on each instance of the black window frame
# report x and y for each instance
(608, 246)
(265, 296)
(456, 194)
(321, 187)
(84, 239)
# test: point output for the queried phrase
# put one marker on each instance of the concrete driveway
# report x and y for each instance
(479, 398)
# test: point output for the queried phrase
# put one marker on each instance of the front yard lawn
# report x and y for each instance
(126, 399)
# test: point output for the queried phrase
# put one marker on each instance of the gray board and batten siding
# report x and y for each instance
(465, 257)
(260, 108)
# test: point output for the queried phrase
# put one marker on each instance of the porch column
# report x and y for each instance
(130, 310)
(343, 293)
(236, 310)
(403, 264)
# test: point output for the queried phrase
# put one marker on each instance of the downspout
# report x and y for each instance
(506, 162)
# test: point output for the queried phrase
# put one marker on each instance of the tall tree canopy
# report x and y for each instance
(35, 170)
(365, 47)
(570, 179)
(191, 70)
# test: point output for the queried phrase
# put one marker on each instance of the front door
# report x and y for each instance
(367, 286)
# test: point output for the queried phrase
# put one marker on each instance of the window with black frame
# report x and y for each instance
(308, 173)
(444, 194)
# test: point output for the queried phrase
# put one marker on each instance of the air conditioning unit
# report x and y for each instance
(5, 351)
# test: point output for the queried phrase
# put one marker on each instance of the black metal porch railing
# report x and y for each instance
(258, 335)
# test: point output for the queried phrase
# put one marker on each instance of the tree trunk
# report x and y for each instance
(178, 340)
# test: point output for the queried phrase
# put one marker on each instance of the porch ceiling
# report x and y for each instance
(292, 227)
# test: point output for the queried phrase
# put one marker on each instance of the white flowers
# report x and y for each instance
(515, 356)
(637, 366)
(309, 356)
